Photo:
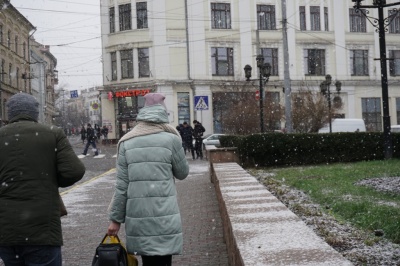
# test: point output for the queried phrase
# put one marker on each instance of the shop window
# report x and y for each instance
(128, 107)
(183, 107)
(371, 113)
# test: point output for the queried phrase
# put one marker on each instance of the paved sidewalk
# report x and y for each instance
(87, 221)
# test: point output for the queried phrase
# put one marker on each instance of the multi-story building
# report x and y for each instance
(43, 77)
(92, 105)
(189, 48)
(15, 31)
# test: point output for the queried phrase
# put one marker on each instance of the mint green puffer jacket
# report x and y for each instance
(145, 196)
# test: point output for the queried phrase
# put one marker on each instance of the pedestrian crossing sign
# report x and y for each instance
(201, 103)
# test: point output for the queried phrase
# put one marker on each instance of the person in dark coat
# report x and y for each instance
(198, 132)
(91, 140)
(104, 132)
(187, 138)
(97, 132)
(83, 134)
(35, 160)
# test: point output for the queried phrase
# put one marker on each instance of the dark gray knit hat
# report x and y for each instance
(23, 103)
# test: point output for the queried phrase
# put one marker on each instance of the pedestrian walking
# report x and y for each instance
(104, 132)
(83, 134)
(198, 132)
(187, 138)
(97, 132)
(35, 160)
(149, 157)
(91, 140)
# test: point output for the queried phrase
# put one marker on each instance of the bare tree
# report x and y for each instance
(239, 112)
(310, 110)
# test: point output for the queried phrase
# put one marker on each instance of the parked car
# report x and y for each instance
(395, 128)
(211, 139)
(345, 125)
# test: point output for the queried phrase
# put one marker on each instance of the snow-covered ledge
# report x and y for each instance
(259, 229)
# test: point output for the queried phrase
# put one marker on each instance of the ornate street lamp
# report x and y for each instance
(325, 90)
(381, 25)
(265, 72)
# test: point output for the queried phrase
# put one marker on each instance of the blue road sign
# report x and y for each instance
(200, 103)
(74, 94)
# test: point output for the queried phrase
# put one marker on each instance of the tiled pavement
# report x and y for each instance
(87, 220)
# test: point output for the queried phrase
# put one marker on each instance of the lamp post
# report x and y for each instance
(381, 26)
(325, 87)
(265, 72)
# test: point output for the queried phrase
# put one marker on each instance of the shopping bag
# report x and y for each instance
(111, 252)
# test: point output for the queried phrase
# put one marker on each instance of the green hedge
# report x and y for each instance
(274, 149)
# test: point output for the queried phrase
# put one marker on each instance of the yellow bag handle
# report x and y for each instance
(132, 260)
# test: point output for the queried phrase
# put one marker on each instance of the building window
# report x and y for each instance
(113, 66)
(315, 17)
(220, 16)
(9, 39)
(326, 18)
(144, 66)
(358, 22)
(141, 14)
(9, 74)
(16, 44)
(17, 76)
(394, 63)
(266, 17)
(314, 62)
(183, 107)
(112, 19)
(222, 61)
(271, 57)
(3, 69)
(394, 18)
(359, 61)
(24, 50)
(125, 17)
(302, 13)
(371, 113)
(126, 63)
(398, 110)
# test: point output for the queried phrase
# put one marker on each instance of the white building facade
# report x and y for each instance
(189, 48)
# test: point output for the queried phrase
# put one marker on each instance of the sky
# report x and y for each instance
(72, 29)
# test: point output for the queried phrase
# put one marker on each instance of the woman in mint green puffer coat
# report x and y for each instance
(145, 198)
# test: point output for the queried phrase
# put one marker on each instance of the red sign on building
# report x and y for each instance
(131, 93)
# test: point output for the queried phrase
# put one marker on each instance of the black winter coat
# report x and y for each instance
(35, 160)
